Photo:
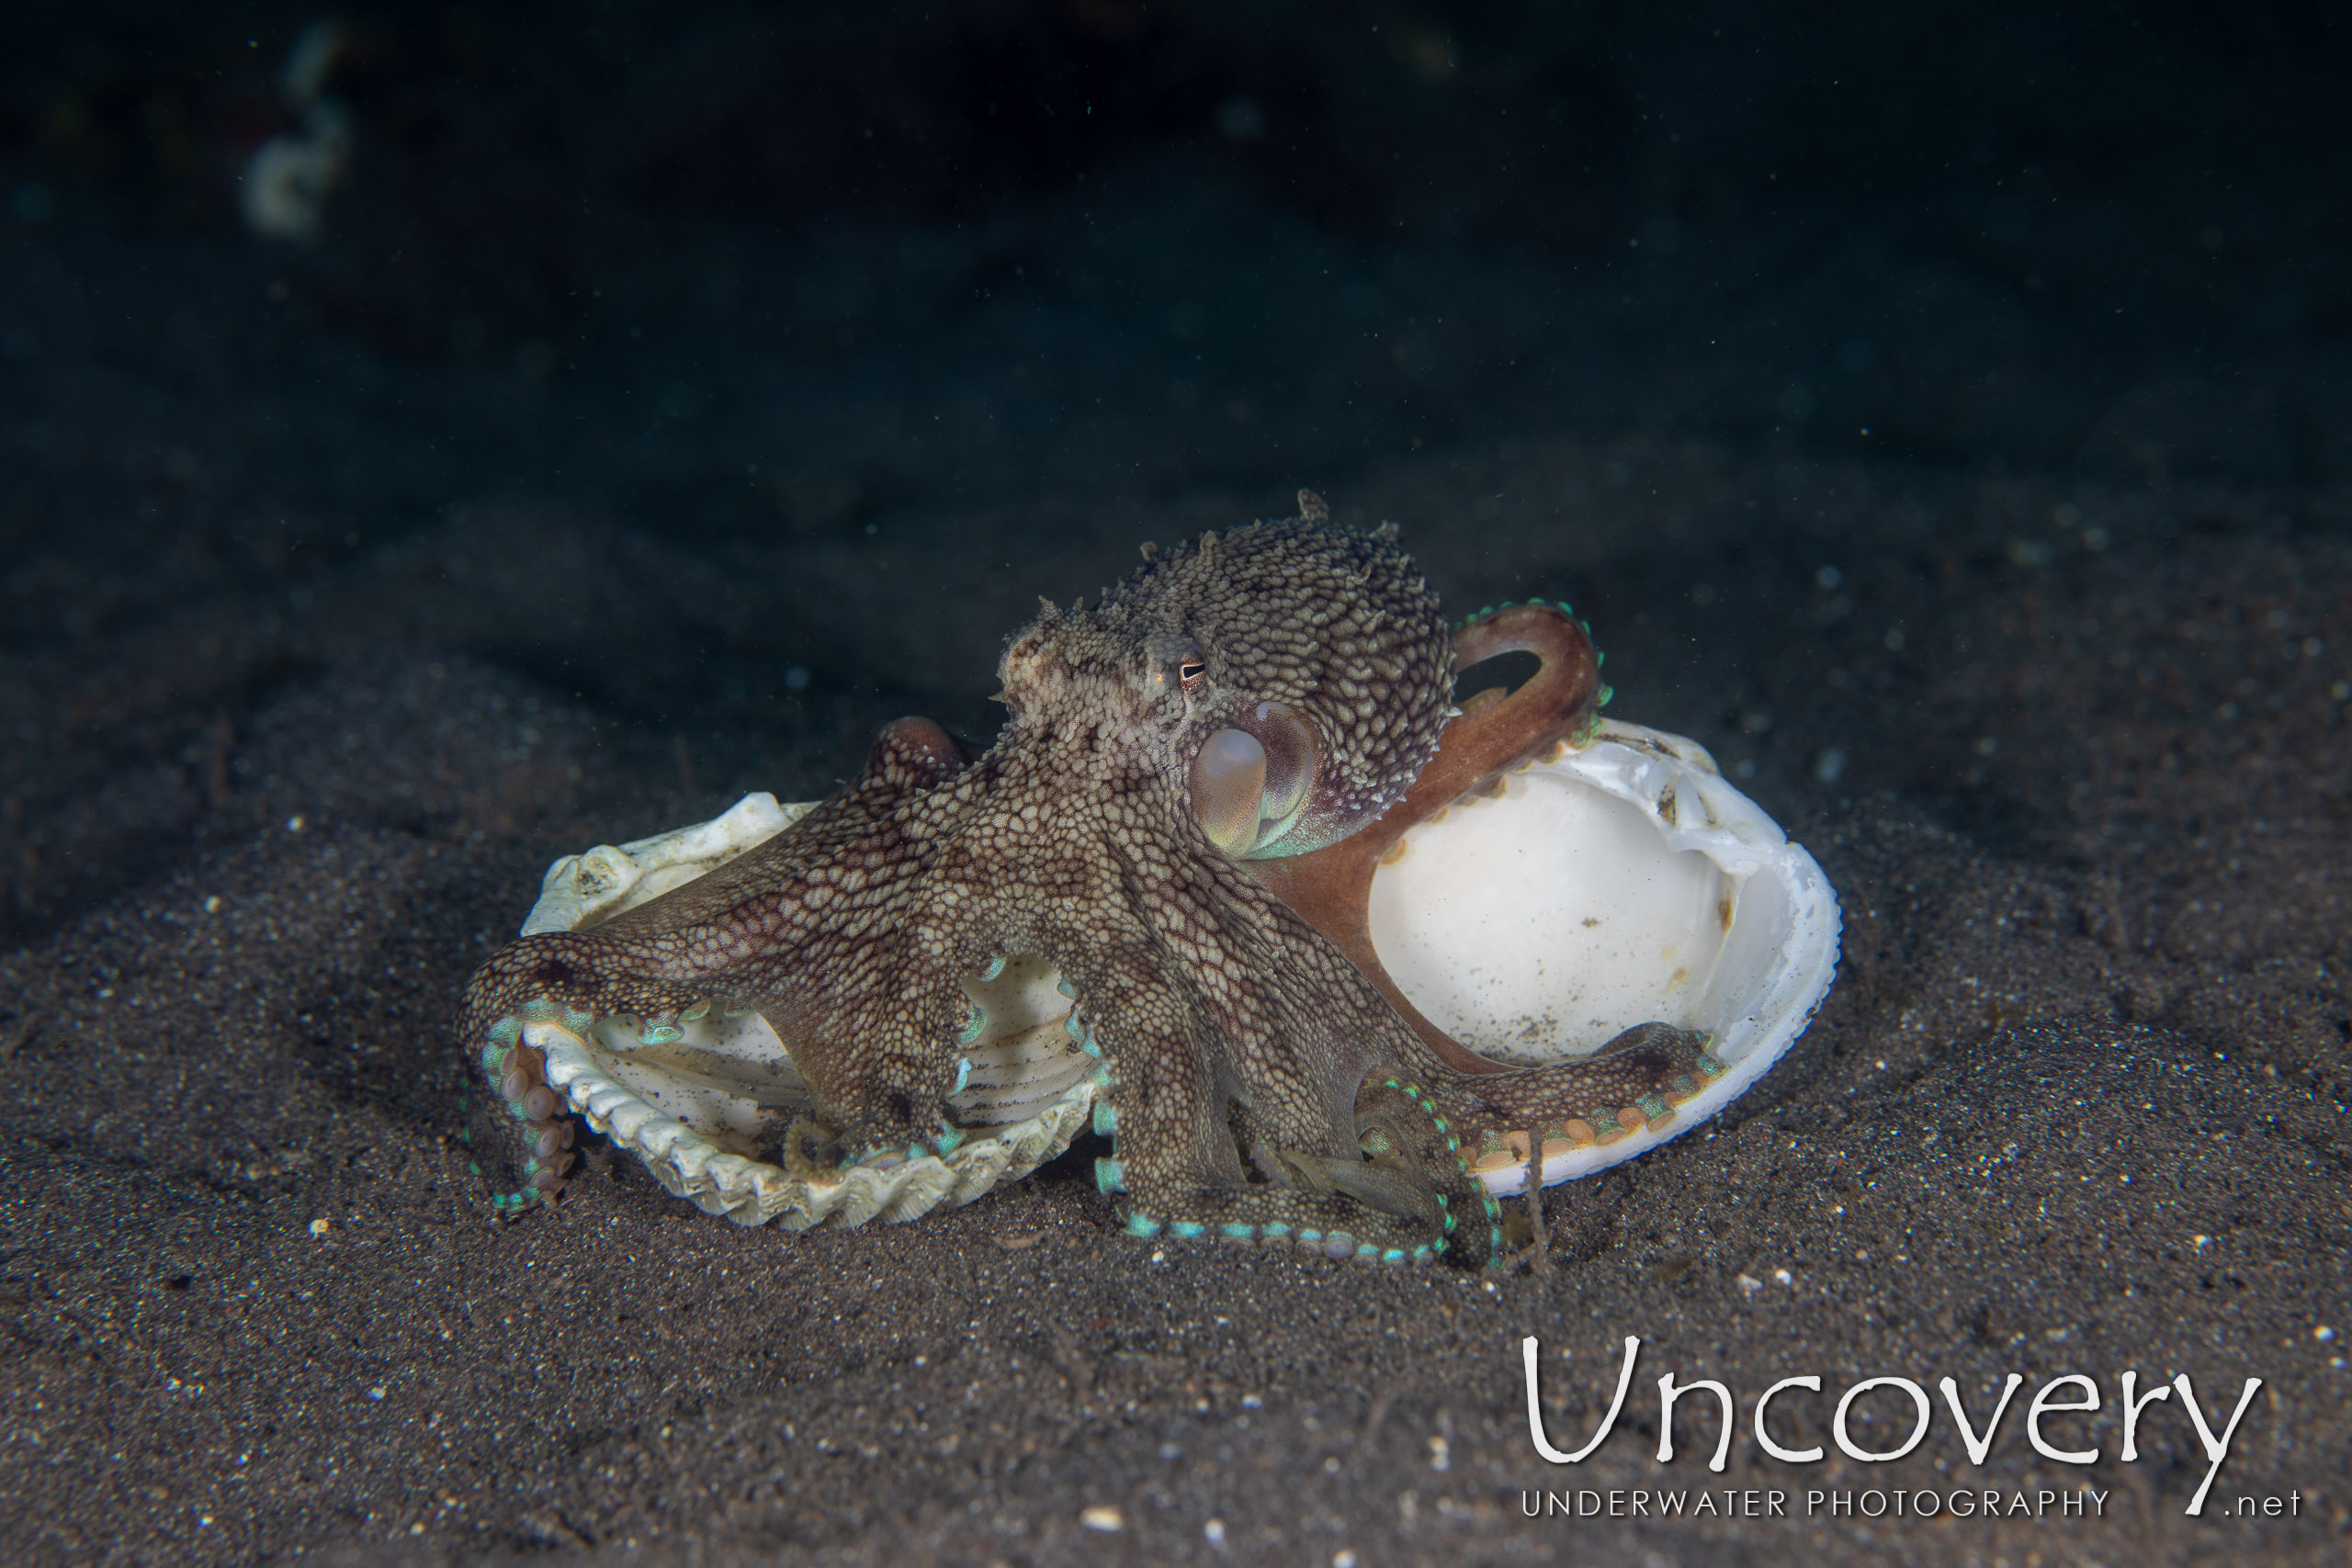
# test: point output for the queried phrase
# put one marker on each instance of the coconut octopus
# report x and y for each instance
(1181, 814)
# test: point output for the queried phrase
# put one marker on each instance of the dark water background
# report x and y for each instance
(761, 288)
(1944, 412)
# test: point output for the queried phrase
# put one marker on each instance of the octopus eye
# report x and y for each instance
(1249, 789)
(1228, 783)
(1192, 672)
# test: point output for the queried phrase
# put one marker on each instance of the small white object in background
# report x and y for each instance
(288, 178)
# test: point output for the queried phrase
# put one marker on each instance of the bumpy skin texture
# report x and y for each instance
(1261, 1088)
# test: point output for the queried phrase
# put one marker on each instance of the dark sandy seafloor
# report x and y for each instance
(2075, 758)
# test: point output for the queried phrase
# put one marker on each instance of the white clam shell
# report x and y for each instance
(695, 1109)
(1622, 883)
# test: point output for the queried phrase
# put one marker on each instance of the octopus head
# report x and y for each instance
(1288, 678)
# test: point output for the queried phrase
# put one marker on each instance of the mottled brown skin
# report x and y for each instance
(1249, 1063)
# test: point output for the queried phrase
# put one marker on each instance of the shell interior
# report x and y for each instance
(1624, 882)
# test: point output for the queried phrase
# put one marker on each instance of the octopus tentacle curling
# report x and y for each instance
(1216, 741)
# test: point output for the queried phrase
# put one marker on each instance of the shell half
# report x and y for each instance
(699, 1109)
(1626, 882)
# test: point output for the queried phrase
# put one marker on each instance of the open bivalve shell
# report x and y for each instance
(1620, 882)
(1623, 881)
(699, 1107)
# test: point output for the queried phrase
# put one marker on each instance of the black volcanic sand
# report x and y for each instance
(2074, 755)
(1940, 413)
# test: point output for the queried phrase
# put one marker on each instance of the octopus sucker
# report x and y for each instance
(1183, 899)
